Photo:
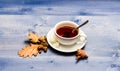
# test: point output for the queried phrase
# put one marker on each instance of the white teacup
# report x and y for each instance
(67, 40)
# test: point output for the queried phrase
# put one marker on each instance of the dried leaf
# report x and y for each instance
(81, 54)
(33, 37)
(28, 51)
(38, 45)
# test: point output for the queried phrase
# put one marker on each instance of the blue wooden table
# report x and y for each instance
(18, 18)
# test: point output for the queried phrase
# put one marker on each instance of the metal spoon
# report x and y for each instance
(80, 25)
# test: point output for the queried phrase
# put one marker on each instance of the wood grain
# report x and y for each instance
(103, 35)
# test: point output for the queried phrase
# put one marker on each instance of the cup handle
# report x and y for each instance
(81, 39)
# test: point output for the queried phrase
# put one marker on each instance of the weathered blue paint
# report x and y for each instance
(18, 18)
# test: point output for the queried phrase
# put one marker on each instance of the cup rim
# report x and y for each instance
(65, 37)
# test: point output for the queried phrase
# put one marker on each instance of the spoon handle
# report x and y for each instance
(80, 25)
(83, 24)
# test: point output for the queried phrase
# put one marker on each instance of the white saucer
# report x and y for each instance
(65, 48)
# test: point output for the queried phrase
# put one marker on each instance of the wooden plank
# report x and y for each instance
(102, 46)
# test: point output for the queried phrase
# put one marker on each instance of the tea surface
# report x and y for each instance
(66, 31)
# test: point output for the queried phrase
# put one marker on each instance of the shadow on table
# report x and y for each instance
(60, 53)
(67, 54)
